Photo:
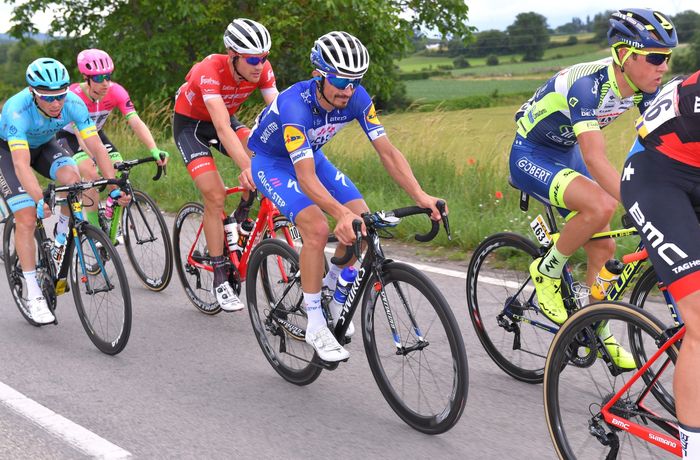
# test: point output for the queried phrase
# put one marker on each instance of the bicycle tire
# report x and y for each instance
(15, 278)
(516, 346)
(573, 400)
(154, 266)
(107, 320)
(197, 283)
(434, 403)
(272, 278)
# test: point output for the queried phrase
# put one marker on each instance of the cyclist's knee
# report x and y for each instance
(214, 197)
(690, 312)
(25, 220)
(599, 210)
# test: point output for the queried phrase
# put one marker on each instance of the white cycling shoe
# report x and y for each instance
(228, 300)
(39, 311)
(326, 346)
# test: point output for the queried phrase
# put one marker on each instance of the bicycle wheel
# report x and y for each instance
(15, 278)
(188, 235)
(501, 300)
(147, 241)
(273, 291)
(101, 291)
(578, 382)
(426, 382)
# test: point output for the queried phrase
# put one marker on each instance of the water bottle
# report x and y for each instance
(231, 231)
(342, 289)
(109, 207)
(244, 230)
(610, 272)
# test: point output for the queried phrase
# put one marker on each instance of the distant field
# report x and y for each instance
(437, 89)
(565, 37)
(528, 68)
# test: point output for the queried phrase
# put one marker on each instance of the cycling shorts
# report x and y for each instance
(544, 172)
(276, 178)
(661, 195)
(194, 139)
(45, 159)
(69, 142)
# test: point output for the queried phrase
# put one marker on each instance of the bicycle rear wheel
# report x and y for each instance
(188, 234)
(274, 295)
(501, 299)
(101, 291)
(147, 241)
(578, 382)
(426, 381)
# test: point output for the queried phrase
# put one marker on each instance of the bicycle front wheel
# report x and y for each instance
(580, 379)
(422, 369)
(101, 291)
(502, 306)
(147, 241)
(275, 299)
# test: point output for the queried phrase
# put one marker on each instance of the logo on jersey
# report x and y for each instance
(696, 108)
(573, 101)
(533, 170)
(208, 81)
(372, 116)
(12, 130)
(293, 138)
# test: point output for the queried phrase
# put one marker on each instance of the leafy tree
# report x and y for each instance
(461, 63)
(491, 59)
(155, 42)
(528, 35)
(491, 42)
(686, 22)
(601, 24)
(573, 27)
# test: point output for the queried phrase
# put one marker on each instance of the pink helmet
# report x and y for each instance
(94, 62)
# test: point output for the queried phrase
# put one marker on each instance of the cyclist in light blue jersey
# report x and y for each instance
(290, 168)
(28, 125)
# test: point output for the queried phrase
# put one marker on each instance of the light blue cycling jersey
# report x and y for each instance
(295, 125)
(583, 97)
(23, 126)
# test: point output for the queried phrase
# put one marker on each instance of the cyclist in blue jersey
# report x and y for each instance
(559, 157)
(290, 168)
(28, 125)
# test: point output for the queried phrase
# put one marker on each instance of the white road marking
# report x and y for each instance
(75, 435)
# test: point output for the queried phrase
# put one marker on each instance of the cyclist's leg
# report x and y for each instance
(242, 133)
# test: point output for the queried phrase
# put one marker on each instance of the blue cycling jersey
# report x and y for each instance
(295, 125)
(23, 126)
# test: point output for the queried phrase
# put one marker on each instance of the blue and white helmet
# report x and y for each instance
(47, 73)
(340, 53)
(642, 28)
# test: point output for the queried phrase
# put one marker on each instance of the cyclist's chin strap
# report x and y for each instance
(320, 81)
(617, 61)
(42, 111)
(235, 69)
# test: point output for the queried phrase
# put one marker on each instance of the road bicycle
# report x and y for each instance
(90, 268)
(412, 341)
(502, 302)
(595, 409)
(143, 228)
(192, 259)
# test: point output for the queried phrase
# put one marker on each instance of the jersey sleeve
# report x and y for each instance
(122, 99)
(17, 134)
(294, 119)
(78, 113)
(582, 101)
(367, 116)
(689, 96)
(267, 78)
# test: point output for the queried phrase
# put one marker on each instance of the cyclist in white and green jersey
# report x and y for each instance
(559, 156)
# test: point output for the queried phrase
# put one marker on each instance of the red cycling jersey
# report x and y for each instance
(212, 78)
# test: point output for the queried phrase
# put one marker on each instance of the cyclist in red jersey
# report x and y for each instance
(204, 115)
(660, 188)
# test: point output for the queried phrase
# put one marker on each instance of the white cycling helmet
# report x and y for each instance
(245, 36)
(340, 53)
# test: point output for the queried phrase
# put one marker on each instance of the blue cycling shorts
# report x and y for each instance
(545, 172)
(276, 178)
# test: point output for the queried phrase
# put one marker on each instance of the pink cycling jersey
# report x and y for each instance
(99, 110)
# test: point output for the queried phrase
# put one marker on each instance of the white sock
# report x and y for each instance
(314, 312)
(33, 289)
(331, 278)
(690, 441)
(62, 227)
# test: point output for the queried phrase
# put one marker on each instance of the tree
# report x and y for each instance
(155, 42)
(528, 35)
(601, 24)
(491, 42)
(686, 22)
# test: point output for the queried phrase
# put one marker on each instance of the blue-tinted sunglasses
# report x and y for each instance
(101, 78)
(52, 97)
(341, 82)
(255, 60)
(654, 58)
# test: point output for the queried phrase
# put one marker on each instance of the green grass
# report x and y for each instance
(442, 89)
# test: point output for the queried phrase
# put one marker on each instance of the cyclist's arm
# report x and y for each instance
(81, 143)
(592, 144)
(143, 133)
(222, 123)
(21, 159)
(269, 95)
(95, 145)
(398, 168)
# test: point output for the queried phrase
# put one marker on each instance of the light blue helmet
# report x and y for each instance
(642, 28)
(47, 73)
(340, 53)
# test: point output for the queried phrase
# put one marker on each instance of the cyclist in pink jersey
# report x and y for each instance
(204, 116)
(101, 96)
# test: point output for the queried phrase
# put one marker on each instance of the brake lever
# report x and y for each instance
(445, 220)
(357, 245)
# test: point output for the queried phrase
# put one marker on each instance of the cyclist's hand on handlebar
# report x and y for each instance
(119, 195)
(245, 178)
(161, 156)
(43, 210)
(344, 231)
(427, 201)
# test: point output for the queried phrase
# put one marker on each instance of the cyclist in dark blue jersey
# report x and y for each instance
(559, 153)
(290, 168)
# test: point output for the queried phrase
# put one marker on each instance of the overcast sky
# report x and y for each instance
(493, 14)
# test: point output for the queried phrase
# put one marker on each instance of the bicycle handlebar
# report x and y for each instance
(125, 166)
(381, 219)
(51, 190)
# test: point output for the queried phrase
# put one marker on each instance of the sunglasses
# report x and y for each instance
(52, 97)
(255, 60)
(341, 82)
(101, 78)
(654, 58)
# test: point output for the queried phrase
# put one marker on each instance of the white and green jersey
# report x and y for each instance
(583, 97)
